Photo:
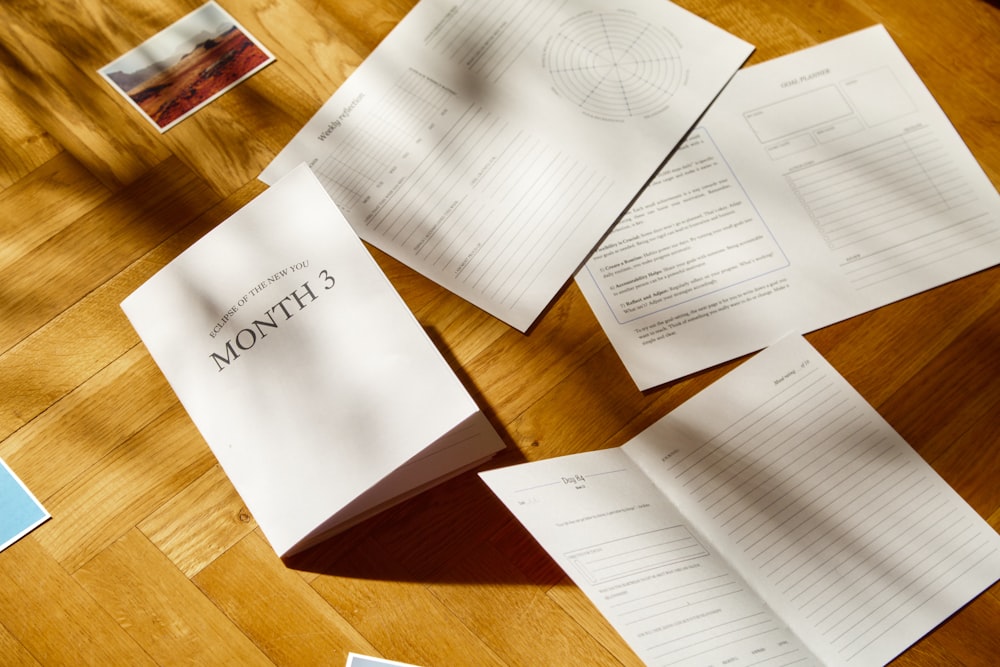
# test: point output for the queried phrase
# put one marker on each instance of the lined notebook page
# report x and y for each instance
(843, 529)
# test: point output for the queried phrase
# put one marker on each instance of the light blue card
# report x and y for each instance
(20, 512)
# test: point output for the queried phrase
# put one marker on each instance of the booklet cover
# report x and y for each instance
(774, 518)
(315, 387)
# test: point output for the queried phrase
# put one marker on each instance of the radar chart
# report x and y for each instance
(614, 65)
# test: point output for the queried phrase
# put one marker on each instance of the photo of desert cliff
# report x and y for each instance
(186, 66)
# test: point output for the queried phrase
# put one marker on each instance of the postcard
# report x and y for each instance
(184, 67)
(358, 660)
(20, 511)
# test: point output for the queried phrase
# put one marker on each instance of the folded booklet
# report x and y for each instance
(775, 518)
(315, 387)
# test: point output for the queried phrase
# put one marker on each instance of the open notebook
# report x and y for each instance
(775, 518)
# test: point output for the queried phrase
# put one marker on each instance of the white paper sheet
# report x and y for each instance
(819, 185)
(314, 385)
(773, 516)
(490, 145)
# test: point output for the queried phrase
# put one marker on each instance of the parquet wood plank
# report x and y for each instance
(286, 618)
(58, 192)
(88, 424)
(921, 26)
(299, 37)
(524, 553)
(465, 505)
(54, 619)
(26, 146)
(64, 98)
(950, 642)
(605, 400)
(571, 600)
(401, 618)
(960, 382)
(770, 27)
(108, 498)
(36, 288)
(531, 366)
(229, 142)
(79, 343)
(369, 21)
(968, 461)
(161, 609)
(906, 334)
(200, 523)
(93, 332)
(531, 614)
(14, 652)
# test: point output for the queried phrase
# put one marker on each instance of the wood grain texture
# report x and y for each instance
(151, 556)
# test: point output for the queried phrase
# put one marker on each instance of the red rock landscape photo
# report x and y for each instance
(201, 67)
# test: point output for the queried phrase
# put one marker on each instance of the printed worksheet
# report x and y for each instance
(775, 518)
(490, 145)
(820, 185)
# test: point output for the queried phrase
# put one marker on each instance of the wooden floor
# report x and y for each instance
(151, 558)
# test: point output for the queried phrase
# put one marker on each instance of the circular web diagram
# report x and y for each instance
(614, 65)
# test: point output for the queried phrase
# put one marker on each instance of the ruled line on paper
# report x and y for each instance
(892, 207)
(831, 508)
